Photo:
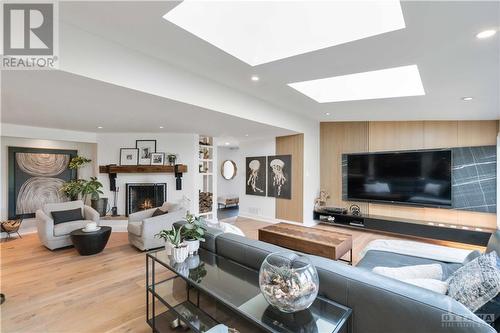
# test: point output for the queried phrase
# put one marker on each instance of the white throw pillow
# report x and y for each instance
(437, 286)
(430, 271)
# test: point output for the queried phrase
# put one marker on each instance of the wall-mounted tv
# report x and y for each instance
(411, 177)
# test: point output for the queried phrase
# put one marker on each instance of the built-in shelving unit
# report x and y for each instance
(206, 198)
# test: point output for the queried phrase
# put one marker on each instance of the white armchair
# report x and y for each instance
(57, 236)
(142, 226)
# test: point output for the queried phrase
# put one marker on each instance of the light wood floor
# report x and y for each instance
(60, 291)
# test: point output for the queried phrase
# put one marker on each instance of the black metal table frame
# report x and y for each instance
(189, 285)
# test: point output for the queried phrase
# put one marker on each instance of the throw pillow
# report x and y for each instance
(62, 216)
(428, 271)
(477, 282)
(437, 286)
(159, 212)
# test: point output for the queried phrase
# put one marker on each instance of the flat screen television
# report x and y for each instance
(418, 177)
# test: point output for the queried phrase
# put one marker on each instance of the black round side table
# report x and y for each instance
(88, 243)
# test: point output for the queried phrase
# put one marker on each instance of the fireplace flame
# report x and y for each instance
(147, 204)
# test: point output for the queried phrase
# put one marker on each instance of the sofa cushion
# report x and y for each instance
(374, 258)
(62, 216)
(135, 228)
(63, 229)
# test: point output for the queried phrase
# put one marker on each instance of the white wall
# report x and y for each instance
(184, 145)
(227, 187)
(254, 206)
(84, 148)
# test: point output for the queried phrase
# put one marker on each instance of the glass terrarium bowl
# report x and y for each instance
(288, 281)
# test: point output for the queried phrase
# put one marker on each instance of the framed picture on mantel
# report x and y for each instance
(146, 148)
(129, 156)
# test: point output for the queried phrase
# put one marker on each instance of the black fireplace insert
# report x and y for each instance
(142, 196)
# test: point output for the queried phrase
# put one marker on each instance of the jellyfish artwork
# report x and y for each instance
(254, 166)
(279, 178)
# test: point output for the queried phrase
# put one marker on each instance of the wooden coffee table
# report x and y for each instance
(320, 242)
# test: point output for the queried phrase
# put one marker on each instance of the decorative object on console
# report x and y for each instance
(256, 174)
(279, 183)
(157, 158)
(174, 243)
(10, 227)
(322, 199)
(228, 169)
(355, 210)
(193, 232)
(35, 178)
(146, 148)
(129, 156)
(288, 281)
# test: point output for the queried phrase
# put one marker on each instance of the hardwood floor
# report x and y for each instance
(60, 291)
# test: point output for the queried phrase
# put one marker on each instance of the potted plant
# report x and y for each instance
(77, 162)
(173, 243)
(73, 188)
(193, 232)
(93, 187)
(171, 159)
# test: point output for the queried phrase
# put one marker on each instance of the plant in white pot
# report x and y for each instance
(173, 242)
(193, 232)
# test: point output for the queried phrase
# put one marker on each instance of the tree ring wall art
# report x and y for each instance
(255, 181)
(35, 178)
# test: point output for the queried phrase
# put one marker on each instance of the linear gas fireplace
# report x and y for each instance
(141, 196)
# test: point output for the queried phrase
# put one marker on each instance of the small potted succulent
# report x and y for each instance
(193, 232)
(171, 158)
(174, 244)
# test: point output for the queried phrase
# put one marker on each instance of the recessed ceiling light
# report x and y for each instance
(246, 134)
(242, 28)
(486, 34)
(327, 114)
(227, 143)
(467, 99)
(99, 127)
(255, 78)
(161, 126)
(384, 83)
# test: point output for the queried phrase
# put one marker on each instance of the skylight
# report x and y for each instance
(259, 32)
(384, 83)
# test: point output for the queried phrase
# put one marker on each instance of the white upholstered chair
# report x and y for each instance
(142, 226)
(57, 236)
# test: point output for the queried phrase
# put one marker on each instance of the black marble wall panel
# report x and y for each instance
(474, 178)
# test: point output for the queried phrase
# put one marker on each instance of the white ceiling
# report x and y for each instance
(439, 37)
(57, 99)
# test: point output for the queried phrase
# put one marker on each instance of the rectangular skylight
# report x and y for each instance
(258, 32)
(384, 83)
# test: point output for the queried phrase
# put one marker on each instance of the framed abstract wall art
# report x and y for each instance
(35, 178)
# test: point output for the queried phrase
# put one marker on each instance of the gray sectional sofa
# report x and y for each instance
(379, 304)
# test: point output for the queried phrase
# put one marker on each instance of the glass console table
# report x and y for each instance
(177, 289)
